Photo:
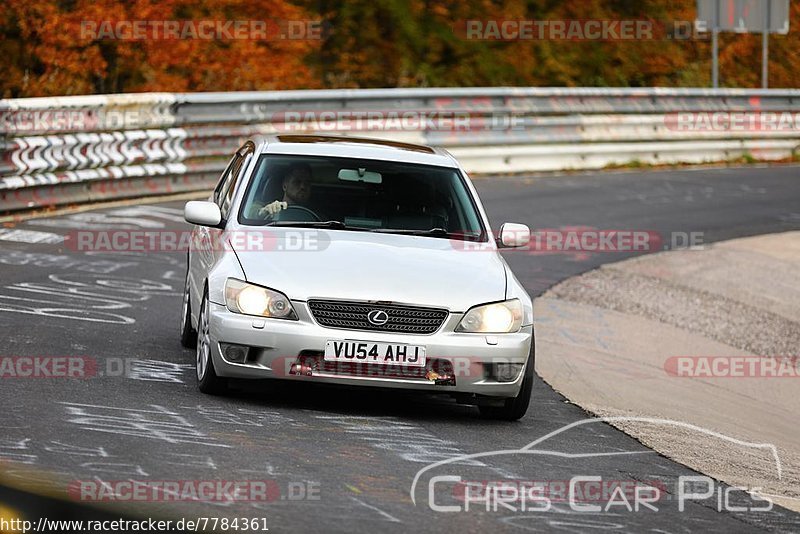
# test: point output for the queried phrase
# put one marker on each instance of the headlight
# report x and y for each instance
(241, 297)
(498, 318)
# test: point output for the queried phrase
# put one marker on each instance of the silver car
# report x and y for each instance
(358, 262)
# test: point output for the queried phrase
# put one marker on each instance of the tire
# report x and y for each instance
(188, 333)
(515, 407)
(207, 379)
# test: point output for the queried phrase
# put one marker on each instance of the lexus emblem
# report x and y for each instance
(378, 317)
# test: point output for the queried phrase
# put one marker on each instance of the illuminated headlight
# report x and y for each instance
(498, 318)
(241, 297)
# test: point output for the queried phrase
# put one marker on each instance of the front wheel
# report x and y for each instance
(515, 407)
(207, 379)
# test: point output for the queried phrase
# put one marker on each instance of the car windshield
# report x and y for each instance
(361, 195)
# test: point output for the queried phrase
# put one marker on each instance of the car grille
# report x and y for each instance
(353, 316)
(372, 370)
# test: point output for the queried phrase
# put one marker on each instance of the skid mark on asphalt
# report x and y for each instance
(61, 262)
(81, 297)
(410, 442)
(29, 236)
(16, 450)
(115, 468)
(282, 449)
(173, 259)
(131, 218)
(543, 523)
(159, 423)
(156, 371)
(190, 460)
(242, 416)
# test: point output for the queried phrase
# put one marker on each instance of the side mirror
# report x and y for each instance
(514, 235)
(203, 213)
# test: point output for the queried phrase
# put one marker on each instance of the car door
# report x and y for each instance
(207, 242)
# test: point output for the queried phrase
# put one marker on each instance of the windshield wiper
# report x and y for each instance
(432, 232)
(339, 225)
(335, 225)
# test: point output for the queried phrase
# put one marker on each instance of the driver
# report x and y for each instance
(296, 190)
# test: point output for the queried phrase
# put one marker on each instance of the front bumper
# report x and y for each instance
(276, 344)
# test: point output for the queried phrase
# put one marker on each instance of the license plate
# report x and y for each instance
(370, 352)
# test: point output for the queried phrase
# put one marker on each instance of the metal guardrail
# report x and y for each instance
(80, 149)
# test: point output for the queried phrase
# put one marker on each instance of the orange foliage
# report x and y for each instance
(52, 57)
(386, 43)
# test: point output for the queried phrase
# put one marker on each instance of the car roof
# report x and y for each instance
(355, 147)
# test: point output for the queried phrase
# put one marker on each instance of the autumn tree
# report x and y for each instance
(370, 43)
(50, 53)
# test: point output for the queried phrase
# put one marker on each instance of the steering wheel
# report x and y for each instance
(302, 214)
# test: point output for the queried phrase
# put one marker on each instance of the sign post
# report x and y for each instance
(715, 45)
(765, 47)
(743, 16)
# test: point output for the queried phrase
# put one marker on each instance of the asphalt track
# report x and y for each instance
(354, 454)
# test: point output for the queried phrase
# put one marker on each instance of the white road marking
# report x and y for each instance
(29, 236)
(381, 512)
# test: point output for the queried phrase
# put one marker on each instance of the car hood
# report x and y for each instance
(372, 266)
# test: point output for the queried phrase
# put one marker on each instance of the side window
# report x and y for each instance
(237, 170)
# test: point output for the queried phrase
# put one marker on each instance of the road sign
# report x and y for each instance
(743, 16)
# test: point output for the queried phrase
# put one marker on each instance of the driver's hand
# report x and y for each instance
(272, 208)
